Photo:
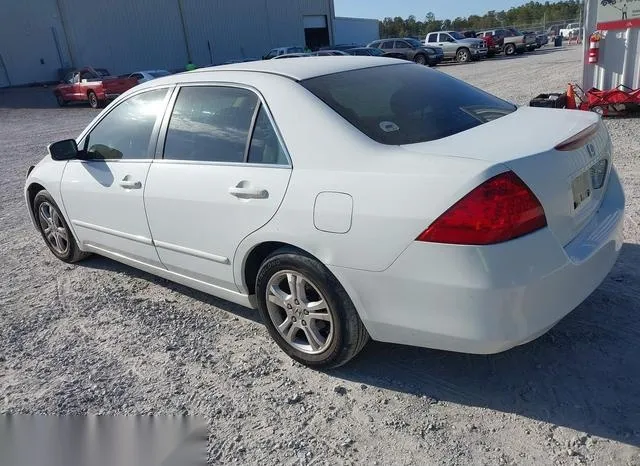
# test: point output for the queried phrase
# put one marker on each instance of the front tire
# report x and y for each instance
(60, 100)
(93, 100)
(306, 310)
(54, 229)
(420, 59)
(463, 55)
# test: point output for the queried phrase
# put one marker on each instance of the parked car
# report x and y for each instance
(542, 38)
(529, 38)
(144, 76)
(570, 30)
(340, 47)
(375, 52)
(282, 51)
(291, 55)
(412, 49)
(238, 197)
(491, 42)
(328, 53)
(93, 85)
(456, 46)
(507, 41)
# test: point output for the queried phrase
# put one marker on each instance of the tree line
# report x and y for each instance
(530, 13)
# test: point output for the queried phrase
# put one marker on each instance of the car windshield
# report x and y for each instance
(456, 35)
(414, 42)
(406, 104)
(159, 73)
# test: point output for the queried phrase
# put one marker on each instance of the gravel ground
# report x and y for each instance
(100, 337)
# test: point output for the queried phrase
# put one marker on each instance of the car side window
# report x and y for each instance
(87, 75)
(210, 124)
(265, 147)
(433, 38)
(125, 132)
(445, 37)
(387, 44)
(400, 44)
(76, 78)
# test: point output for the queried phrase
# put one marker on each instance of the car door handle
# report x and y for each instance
(128, 183)
(248, 192)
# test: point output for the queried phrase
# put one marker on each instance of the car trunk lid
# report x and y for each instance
(525, 142)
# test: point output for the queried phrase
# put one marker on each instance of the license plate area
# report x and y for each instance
(581, 190)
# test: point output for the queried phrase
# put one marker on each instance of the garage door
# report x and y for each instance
(313, 22)
(316, 32)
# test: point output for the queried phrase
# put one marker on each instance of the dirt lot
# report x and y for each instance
(100, 337)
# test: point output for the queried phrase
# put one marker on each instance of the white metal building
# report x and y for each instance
(356, 30)
(39, 37)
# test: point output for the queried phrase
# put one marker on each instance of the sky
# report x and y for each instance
(443, 9)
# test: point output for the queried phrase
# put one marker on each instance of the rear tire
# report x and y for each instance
(420, 59)
(306, 310)
(54, 229)
(93, 100)
(509, 49)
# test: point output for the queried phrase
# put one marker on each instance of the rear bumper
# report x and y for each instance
(111, 96)
(487, 299)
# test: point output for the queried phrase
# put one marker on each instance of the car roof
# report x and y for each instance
(300, 69)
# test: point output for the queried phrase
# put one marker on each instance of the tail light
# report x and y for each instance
(500, 209)
(578, 140)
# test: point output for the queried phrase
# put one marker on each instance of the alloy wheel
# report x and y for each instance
(53, 228)
(299, 312)
(463, 56)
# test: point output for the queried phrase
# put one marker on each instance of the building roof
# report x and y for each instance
(304, 67)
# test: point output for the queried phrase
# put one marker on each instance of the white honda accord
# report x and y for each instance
(345, 198)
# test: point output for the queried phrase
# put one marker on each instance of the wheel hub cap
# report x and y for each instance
(299, 312)
(53, 229)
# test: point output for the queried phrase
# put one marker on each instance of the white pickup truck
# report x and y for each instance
(571, 30)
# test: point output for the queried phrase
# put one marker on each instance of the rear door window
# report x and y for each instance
(433, 38)
(406, 104)
(210, 124)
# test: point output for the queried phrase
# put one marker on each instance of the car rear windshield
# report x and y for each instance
(406, 103)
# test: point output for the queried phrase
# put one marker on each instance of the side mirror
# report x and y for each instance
(66, 149)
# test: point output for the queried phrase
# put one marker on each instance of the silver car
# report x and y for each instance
(456, 46)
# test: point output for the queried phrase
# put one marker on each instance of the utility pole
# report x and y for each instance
(580, 20)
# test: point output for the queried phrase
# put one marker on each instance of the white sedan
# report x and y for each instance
(345, 198)
(148, 75)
